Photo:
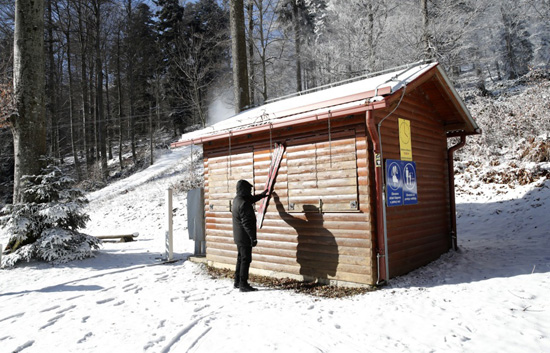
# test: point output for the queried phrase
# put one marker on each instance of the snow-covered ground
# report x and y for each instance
(491, 296)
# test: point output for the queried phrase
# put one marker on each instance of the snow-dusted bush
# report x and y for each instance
(192, 177)
(514, 148)
(514, 115)
(46, 227)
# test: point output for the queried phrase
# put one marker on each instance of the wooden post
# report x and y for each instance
(170, 231)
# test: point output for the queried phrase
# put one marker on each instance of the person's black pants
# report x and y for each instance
(244, 258)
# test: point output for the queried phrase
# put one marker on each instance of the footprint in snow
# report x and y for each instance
(162, 278)
(15, 316)
(83, 339)
(201, 308)
(154, 342)
(78, 296)
(52, 321)
(129, 287)
(49, 309)
(23, 346)
(105, 300)
(66, 309)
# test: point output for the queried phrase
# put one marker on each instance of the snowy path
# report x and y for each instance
(175, 308)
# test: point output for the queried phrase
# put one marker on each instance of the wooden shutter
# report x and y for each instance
(322, 173)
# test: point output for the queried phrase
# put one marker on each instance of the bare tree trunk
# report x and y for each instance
(429, 53)
(120, 104)
(108, 115)
(131, 91)
(74, 150)
(252, 71)
(71, 108)
(93, 142)
(50, 84)
(85, 108)
(152, 160)
(298, 44)
(28, 123)
(132, 117)
(102, 131)
(157, 99)
(370, 38)
(238, 49)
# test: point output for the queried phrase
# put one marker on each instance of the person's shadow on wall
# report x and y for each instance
(317, 251)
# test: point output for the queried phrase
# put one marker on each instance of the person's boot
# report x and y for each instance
(245, 287)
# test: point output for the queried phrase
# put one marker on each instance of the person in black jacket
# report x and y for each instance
(244, 232)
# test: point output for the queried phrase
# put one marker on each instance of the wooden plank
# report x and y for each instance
(335, 170)
(313, 190)
(323, 149)
(274, 264)
(341, 255)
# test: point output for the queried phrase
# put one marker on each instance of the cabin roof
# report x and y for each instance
(348, 97)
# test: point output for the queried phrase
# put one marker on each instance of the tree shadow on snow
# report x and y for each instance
(107, 262)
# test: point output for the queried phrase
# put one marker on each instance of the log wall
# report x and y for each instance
(318, 222)
(419, 234)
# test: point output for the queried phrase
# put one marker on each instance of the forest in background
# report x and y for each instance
(145, 71)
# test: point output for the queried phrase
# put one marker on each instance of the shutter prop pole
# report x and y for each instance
(169, 241)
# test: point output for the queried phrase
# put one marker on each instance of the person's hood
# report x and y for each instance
(244, 188)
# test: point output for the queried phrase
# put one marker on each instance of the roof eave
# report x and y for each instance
(472, 127)
(349, 108)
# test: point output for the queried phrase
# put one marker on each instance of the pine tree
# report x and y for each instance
(46, 227)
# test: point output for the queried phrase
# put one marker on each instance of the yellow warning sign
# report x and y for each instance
(405, 143)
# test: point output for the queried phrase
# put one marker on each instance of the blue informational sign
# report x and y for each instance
(401, 186)
(394, 183)
(410, 194)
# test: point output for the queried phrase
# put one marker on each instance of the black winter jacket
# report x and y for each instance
(244, 217)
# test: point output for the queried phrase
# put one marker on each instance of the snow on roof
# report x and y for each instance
(346, 94)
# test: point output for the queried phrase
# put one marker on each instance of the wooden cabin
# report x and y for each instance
(329, 218)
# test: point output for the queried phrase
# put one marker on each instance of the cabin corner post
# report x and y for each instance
(452, 197)
(381, 241)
